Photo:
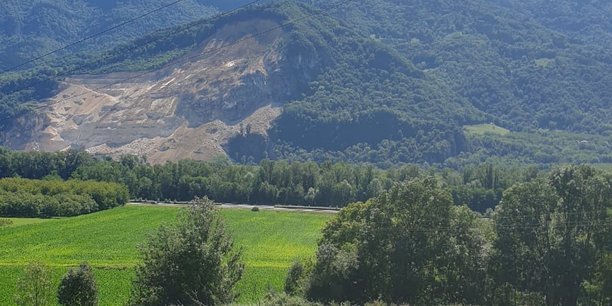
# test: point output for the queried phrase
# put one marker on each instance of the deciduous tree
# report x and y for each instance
(190, 262)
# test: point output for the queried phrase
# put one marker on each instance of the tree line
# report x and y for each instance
(269, 182)
(21, 197)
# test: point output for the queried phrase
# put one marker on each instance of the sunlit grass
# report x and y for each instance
(482, 129)
(108, 241)
(25, 221)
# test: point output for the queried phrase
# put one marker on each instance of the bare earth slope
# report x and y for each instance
(188, 109)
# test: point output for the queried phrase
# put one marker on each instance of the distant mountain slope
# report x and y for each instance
(585, 20)
(508, 61)
(379, 81)
(30, 28)
(338, 90)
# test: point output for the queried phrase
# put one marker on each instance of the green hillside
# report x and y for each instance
(584, 20)
(481, 62)
(109, 240)
(523, 71)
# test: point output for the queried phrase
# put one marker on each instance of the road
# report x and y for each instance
(247, 206)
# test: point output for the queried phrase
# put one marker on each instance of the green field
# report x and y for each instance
(108, 240)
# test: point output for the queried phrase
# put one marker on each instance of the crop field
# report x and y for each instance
(271, 241)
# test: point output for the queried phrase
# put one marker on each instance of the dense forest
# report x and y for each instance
(397, 82)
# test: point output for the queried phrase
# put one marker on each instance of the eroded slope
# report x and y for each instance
(188, 109)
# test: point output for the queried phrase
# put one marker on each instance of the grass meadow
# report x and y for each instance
(271, 241)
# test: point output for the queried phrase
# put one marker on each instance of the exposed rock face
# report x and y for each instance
(189, 109)
(23, 130)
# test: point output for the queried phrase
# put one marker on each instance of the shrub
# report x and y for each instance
(296, 282)
(5, 222)
(78, 288)
(34, 287)
(276, 299)
(36, 198)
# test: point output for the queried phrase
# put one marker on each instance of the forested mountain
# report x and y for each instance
(377, 81)
(513, 61)
(585, 20)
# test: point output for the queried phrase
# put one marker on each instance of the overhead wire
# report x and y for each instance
(89, 37)
(177, 29)
(521, 223)
(535, 228)
(153, 38)
(180, 29)
(189, 58)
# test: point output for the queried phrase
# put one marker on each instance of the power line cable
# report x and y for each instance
(108, 86)
(154, 38)
(590, 212)
(536, 229)
(177, 30)
(122, 24)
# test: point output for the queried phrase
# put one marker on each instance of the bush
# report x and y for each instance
(78, 288)
(5, 222)
(36, 198)
(296, 282)
(275, 299)
(34, 287)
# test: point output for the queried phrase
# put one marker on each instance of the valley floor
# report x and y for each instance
(108, 240)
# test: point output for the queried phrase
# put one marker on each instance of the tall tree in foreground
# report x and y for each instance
(409, 245)
(78, 287)
(551, 236)
(191, 262)
(34, 287)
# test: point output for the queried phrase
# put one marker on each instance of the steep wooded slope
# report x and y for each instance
(511, 59)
